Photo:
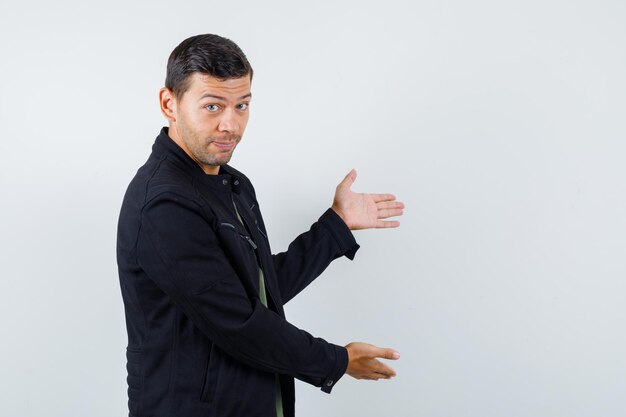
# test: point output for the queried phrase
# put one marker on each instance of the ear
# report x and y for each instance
(168, 104)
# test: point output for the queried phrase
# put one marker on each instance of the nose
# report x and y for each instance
(228, 122)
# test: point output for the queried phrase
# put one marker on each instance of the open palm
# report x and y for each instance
(363, 210)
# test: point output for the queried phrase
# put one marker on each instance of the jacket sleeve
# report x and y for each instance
(180, 252)
(310, 253)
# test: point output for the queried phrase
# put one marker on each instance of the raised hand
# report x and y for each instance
(363, 210)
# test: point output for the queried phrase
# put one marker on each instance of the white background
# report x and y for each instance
(500, 124)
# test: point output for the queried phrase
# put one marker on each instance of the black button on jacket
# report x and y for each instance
(200, 342)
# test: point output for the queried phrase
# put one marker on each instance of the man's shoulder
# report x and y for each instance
(160, 176)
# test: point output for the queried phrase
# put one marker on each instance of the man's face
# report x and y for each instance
(210, 119)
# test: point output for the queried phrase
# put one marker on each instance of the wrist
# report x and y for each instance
(351, 356)
(339, 213)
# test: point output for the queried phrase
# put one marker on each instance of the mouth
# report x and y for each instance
(224, 146)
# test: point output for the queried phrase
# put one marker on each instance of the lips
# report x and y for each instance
(225, 146)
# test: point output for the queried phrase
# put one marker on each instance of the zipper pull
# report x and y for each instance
(250, 241)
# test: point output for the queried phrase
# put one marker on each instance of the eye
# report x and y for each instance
(243, 106)
(212, 107)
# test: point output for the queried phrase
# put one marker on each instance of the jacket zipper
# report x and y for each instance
(248, 238)
(250, 241)
(255, 246)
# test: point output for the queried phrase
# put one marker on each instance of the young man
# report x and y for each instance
(203, 294)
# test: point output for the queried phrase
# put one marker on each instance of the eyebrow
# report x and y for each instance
(208, 95)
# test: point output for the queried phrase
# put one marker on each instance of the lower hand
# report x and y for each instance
(362, 362)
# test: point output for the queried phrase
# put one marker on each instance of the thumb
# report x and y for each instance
(348, 180)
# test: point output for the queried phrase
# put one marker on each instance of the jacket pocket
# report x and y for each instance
(237, 241)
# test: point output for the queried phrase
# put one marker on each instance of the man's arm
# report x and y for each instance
(331, 237)
(310, 253)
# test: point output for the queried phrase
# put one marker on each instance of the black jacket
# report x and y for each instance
(200, 342)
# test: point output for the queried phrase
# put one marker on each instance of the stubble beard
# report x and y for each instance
(203, 154)
(199, 148)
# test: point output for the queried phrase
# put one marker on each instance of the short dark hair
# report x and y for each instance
(207, 54)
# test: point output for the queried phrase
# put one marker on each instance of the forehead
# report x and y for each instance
(232, 88)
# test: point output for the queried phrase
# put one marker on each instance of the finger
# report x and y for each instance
(389, 205)
(385, 353)
(383, 197)
(384, 370)
(387, 224)
(375, 376)
(348, 180)
(383, 214)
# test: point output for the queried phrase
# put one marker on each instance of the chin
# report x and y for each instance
(222, 161)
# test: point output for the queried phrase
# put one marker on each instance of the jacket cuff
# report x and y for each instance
(340, 232)
(341, 354)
